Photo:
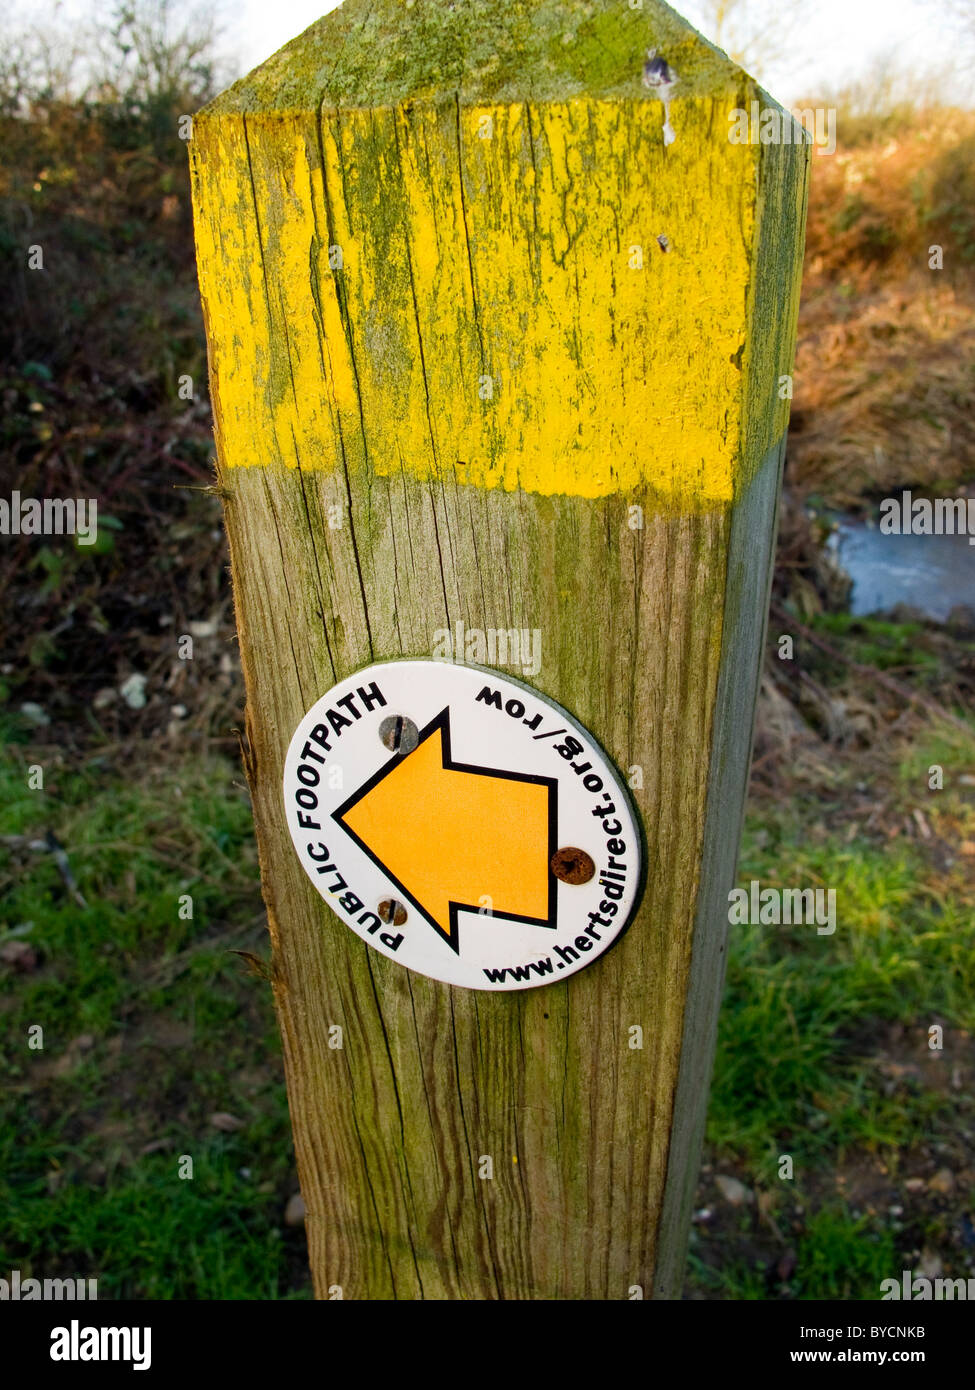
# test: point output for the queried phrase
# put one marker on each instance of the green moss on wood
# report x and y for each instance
(478, 51)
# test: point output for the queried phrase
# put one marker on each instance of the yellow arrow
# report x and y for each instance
(451, 835)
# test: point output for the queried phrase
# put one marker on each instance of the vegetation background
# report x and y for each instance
(159, 1037)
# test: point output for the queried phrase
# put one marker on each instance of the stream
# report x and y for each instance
(931, 573)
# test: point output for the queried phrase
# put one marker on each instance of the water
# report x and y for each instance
(931, 573)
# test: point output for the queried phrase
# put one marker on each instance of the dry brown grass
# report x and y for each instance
(886, 363)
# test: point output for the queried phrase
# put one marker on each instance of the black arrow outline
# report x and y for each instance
(442, 722)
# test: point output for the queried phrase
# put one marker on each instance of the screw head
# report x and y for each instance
(571, 865)
(391, 912)
(400, 735)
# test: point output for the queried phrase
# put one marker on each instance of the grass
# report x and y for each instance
(807, 1005)
(151, 1025)
(878, 642)
(841, 1257)
(823, 1052)
(886, 350)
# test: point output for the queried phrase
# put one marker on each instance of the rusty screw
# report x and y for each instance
(392, 912)
(572, 865)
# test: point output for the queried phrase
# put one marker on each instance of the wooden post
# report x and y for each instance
(495, 337)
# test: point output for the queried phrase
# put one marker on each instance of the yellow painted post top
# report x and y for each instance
(498, 241)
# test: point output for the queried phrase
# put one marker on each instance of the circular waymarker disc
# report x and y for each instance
(462, 824)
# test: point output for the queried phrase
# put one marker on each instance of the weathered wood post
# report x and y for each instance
(501, 309)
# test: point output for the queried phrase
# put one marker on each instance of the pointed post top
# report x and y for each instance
(521, 242)
(388, 53)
